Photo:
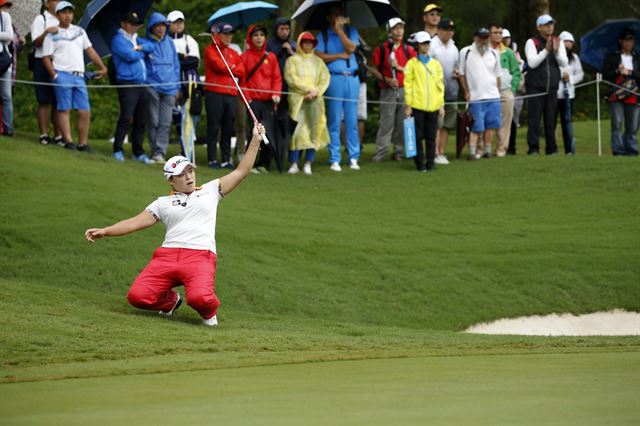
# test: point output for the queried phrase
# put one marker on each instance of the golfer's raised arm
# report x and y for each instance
(144, 220)
(229, 182)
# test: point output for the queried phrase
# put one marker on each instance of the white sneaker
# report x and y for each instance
(441, 159)
(159, 158)
(168, 314)
(293, 169)
(335, 167)
(307, 169)
(353, 165)
(213, 321)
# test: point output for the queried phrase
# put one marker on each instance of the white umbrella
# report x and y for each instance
(23, 12)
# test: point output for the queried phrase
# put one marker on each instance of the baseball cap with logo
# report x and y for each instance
(175, 165)
(544, 20)
(422, 37)
(174, 16)
(446, 24)
(393, 22)
(222, 27)
(431, 7)
(64, 5)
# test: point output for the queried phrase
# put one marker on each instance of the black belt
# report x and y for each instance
(344, 73)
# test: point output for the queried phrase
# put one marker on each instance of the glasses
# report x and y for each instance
(433, 14)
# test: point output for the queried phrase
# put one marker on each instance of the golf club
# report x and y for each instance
(233, 77)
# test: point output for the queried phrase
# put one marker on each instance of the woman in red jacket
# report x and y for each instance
(220, 98)
(262, 75)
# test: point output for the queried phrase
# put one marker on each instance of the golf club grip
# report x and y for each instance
(264, 139)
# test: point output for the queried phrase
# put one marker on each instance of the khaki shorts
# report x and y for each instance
(449, 119)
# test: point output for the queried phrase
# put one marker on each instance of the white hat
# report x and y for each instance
(544, 20)
(175, 15)
(566, 35)
(175, 165)
(505, 33)
(64, 5)
(422, 37)
(393, 22)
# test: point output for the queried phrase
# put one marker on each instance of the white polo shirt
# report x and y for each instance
(187, 46)
(67, 48)
(190, 219)
(41, 23)
(481, 72)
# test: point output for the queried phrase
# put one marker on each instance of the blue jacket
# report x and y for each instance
(129, 63)
(163, 65)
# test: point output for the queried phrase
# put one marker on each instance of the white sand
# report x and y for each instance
(617, 322)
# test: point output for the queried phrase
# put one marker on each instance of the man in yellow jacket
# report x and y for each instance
(424, 99)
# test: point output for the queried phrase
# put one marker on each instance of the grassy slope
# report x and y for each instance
(386, 262)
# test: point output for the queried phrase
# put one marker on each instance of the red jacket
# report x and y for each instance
(267, 77)
(216, 71)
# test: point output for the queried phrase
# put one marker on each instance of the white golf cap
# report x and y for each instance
(422, 37)
(544, 20)
(175, 165)
(175, 15)
(505, 33)
(64, 5)
(566, 35)
(393, 22)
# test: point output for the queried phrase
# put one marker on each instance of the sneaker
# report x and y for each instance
(214, 165)
(353, 164)
(254, 171)
(143, 159)
(213, 321)
(307, 169)
(158, 158)
(84, 148)
(168, 314)
(441, 159)
(59, 141)
(335, 167)
(263, 169)
(293, 169)
(227, 165)
(118, 156)
(69, 145)
(478, 156)
(501, 154)
(45, 140)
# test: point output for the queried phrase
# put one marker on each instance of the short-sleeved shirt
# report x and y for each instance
(41, 23)
(335, 46)
(449, 58)
(190, 219)
(67, 48)
(481, 72)
(400, 57)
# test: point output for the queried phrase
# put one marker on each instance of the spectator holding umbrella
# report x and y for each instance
(263, 75)
(571, 75)
(6, 39)
(128, 59)
(220, 99)
(163, 67)
(622, 68)
(308, 79)
(43, 24)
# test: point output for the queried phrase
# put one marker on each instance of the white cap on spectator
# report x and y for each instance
(64, 5)
(566, 35)
(175, 165)
(393, 22)
(422, 37)
(174, 16)
(544, 20)
(505, 33)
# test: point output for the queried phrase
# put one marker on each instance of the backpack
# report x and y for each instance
(382, 56)
(325, 37)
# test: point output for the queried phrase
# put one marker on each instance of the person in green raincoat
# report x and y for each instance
(308, 78)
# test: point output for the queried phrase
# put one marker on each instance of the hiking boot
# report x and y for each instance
(168, 314)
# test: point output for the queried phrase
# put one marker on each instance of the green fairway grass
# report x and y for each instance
(381, 264)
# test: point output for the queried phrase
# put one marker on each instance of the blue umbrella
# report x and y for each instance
(598, 43)
(312, 14)
(244, 13)
(102, 19)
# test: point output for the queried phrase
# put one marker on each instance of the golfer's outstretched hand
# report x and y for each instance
(93, 234)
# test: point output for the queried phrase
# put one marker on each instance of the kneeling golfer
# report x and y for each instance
(188, 255)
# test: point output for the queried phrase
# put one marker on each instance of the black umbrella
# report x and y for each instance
(102, 19)
(312, 14)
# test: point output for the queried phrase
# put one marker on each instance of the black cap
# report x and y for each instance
(222, 27)
(257, 28)
(132, 18)
(482, 32)
(446, 24)
(627, 33)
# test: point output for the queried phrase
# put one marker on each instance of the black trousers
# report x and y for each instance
(134, 106)
(547, 107)
(265, 114)
(512, 139)
(426, 129)
(282, 126)
(221, 115)
(567, 137)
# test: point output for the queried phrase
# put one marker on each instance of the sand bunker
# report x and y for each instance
(612, 323)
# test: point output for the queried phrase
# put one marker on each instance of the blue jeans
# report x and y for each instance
(310, 155)
(630, 114)
(7, 101)
(345, 87)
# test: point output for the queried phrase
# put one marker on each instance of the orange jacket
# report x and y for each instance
(216, 71)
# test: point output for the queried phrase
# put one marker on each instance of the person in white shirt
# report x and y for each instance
(188, 254)
(64, 60)
(6, 38)
(571, 75)
(43, 24)
(480, 72)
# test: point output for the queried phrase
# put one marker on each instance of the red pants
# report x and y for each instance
(172, 267)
